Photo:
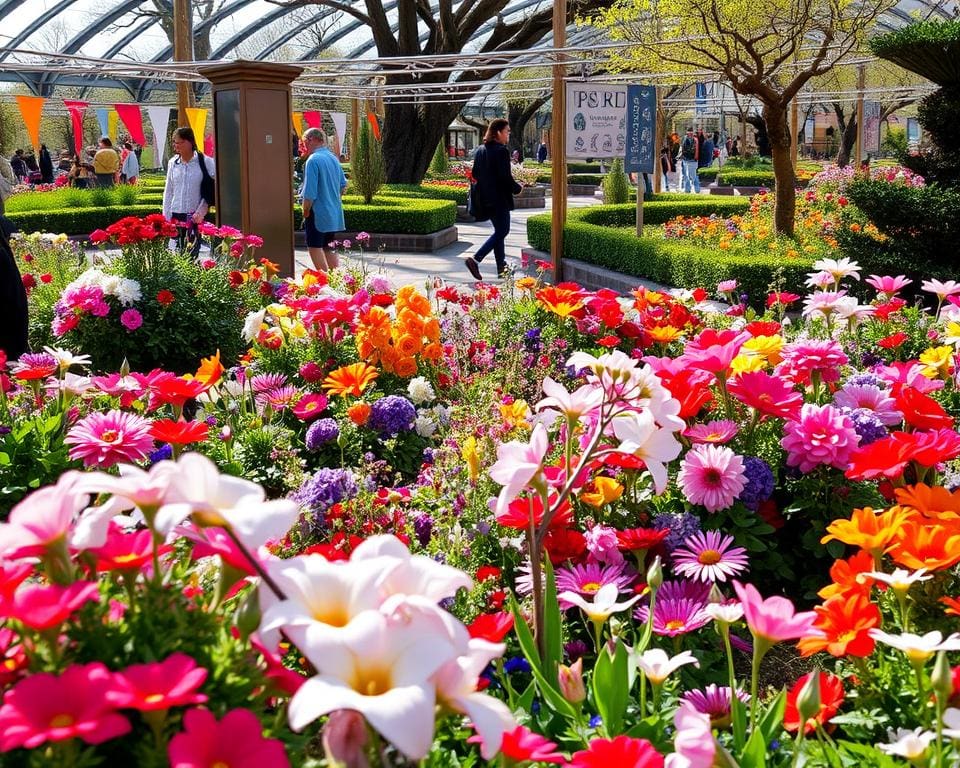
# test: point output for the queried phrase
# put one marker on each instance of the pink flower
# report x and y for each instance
(717, 432)
(887, 284)
(602, 544)
(131, 319)
(803, 361)
(161, 685)
(310, 406)
(106, 439)
(693, 745)
(709, 556)
(42, 519)
(236, 741)
(713, 350)
(45, 707)
(46, 607)
(517, 464)
(768, 395)
(712, 475)
(775, 619)
(822, 435)
(622, 751)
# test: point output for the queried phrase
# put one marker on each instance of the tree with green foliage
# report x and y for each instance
(367, 172)
(616, 187)
(440, 165)
(767, 49)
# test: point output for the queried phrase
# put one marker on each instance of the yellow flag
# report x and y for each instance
(297, 122)
(112, 126)
(197, 117)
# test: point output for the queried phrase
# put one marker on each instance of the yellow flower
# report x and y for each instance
(664, 334)
(515, 414)
(951, 334)
(745, 363)
(605, 490)
(938, 362)
(471, 457)
(526, 283)
(766, 346)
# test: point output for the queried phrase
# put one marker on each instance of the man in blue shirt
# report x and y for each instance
(323, 186)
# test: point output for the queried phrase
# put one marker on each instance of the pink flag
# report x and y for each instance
(130, 114)
(314, 119)
(76, 110)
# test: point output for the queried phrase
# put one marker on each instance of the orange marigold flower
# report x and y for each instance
(515, 414)
(921, 545)
(433, 352)
(664, 334)
(930, 500)
(846, 576)
(358, 413)
(350, 379)
(845, 623)
(405, 367)
(408, 345)
(867, 529)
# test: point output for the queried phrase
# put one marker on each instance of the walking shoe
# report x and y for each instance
(473, 268)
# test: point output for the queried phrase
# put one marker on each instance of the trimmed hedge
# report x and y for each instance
(396, 215)
(595, 235)
(573, 166)
(76, 221)
(426, 191)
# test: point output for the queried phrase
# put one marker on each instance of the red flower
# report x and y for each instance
(13, 659)
(178, 390)
(160, 685)
(691, 388)
(623, 752)
(310, 406)
(47, 607)
(518, 513)
(636, 539)
(831, 697)
(46, 277)
(485, 572)
(236, 741)
(564, 544)
(522, 744)
(165, 298)
(782, 297)
(894, 341)
(921, 411)
(178, 432)
(491, 626)
(884, 311)
(98, 236)
(608, 341)
(29, 281)
(126, 551)
(699, 294)
(762, 328)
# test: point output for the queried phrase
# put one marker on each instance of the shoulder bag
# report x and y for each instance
(208, 189)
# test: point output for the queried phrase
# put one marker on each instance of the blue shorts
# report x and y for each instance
(316, 238)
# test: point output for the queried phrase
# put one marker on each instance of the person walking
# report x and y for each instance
(182, 199)
(665, 168)
(323, 185)
(130, 169)
(495, 188)
(106, 163)
(689, 153)
(13, 300)
(542, 152)
(19, 166)
(706, 152)
(45, 163)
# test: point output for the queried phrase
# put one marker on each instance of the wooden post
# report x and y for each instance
(795, 131)
(558, 154)
(658, 139)
(354, 124)
(183, 51)
(858, 146)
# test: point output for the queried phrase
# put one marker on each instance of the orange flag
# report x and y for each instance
(31, 108)
(297, 122)
(374, 124)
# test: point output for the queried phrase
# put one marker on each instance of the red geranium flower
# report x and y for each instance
(762, 328)
(179, 432)
(177, 390)
(491, 626)
(485, 572)
(831, 697)
(894, 341)
(172, 682)
(165, 298)
(623, 752)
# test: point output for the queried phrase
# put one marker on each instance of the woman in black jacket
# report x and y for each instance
(494, 191)
(13, 299)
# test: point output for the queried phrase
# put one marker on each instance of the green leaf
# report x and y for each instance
(771, 721)
(552, 624)
(738, 713)
(754, 755)
(611, 687)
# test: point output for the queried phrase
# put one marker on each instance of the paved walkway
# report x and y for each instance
(448, 262)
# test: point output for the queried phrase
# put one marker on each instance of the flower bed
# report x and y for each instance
(612, 530)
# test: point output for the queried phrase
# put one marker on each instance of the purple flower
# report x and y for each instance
(423, 527)
(868, 424)
(321, 432)
(162, 453)
(267, 381)
(682, 526)
(391, 415)
(326, 488)
(760, 483)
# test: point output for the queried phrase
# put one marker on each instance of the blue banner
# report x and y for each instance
(640, 154)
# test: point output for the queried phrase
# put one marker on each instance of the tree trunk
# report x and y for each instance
(778, 134)
(410, 137)
(848, 137)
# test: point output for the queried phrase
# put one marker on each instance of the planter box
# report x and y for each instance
(715, 190)
(582, 190)
(387, 241)
(531, 197)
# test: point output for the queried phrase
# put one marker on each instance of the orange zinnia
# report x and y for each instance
(845, 623)
(919, 545)
(846, 577)
(867, 529)
(930, 501)
(664, 334)
(561, 301)
(350, 379)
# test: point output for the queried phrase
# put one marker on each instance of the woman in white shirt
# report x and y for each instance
(182, 201)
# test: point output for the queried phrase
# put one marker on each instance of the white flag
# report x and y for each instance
(340, 126)
(159, 120)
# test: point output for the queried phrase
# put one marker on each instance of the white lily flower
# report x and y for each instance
(728, 613)
(900, 580)
(916, 647)
(416, 574)
(910, 745)
(658, 666)
(604, 603)
(657, 446)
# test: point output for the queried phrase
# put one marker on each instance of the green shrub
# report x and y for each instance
(426, 191)
(398, 215)
(616, 187)
(367, 170)
(708, 174)
(70, 197)
(76, 221)
(745, 178)
(586, 178)
(929, 48)
(440, 165)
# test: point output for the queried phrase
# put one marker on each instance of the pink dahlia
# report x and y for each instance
(236, 740)
(712, 475)
(709, 556)
(822, 435)
(106, 439)
(803, 362)
(45, 707)
(131, 319)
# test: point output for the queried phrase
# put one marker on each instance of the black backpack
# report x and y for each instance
(208, 188)
(688, 150)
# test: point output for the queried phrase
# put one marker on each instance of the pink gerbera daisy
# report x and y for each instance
(709, 556)
(712, 475)
(589, 578)
(766, 394)
(675, 616)
(714, 701)
(106, 439)
(717, 432)
(279, 398)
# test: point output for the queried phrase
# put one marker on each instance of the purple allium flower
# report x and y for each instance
(423, 527)
(682, 526)
(865, 379)
(868, 424)
(326, 488)
(391, 415)
(760, 483)
(321, 432)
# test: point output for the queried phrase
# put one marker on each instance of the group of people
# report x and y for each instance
(107, 166)
(697, 149)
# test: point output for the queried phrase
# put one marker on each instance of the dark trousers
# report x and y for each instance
(188, 237)
(500, 218)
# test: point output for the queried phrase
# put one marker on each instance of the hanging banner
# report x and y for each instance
(159, 119)
(76, 110)
(596, 120)
(313, 118)
(641, 113)
(297, 118)
(112, 121)
(102, 121)
(374, 124)
(197, 117)
(133, 120)
(31, 107)
(340, 130)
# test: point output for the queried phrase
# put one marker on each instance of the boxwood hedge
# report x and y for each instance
(76, 221)
(597, 235)
(427, 191)
(400, 215)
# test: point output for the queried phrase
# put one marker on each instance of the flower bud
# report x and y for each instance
(247, 616)
(808, 700)
(571, 681)
(942, 678)
(655, 574)
(124, 368)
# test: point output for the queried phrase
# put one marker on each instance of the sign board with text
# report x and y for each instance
(640, 153)
(596, 120)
